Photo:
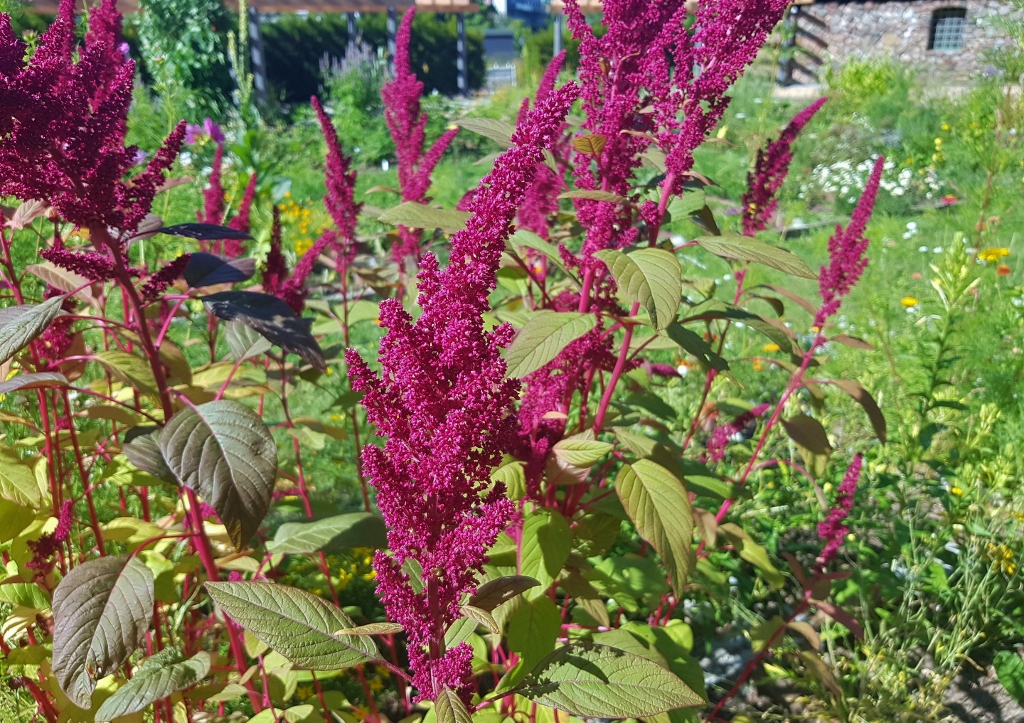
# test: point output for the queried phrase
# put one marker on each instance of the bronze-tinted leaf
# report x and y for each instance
(591, 145)
(495, 592)
(205, 232)
(205, 269)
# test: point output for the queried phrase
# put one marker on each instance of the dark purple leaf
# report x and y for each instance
(272, 318)
(208, 270)
(205, 231)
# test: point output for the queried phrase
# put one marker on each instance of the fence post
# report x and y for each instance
(258, 59)
(462, 61)
(392, 31)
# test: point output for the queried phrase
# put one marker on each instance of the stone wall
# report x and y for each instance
(899, 29)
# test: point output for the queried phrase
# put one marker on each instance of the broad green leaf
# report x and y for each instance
(513, 476)
(581, 452)
(716, 309)
(532, 631)
(682, 207)
(530, 240)
(25, 594)
(244, 341)
(744, 248)
(19, 325)
(18, 483)
(546, 543)
(158, 677)
(649, 277)
(693, 343)
(417, 215)
(633, 582)
(353, 529)
(372, 629)
(481, 616)
(543, 337)
(495, 592)
(36, 380)
(497, 130)
(101, 612)
(595, 681)
(297, 624)
(1010, 670)
(133, 370)
(16, 518)
(658, 505)
(224, 451)
(753, 553)
(808, 432)
(450, 708)
(766, 634)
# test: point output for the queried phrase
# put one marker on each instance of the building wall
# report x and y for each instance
(899, 29)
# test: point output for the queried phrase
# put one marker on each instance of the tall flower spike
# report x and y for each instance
(832, 529)
(340, 181)
(541, 200)
(446, 408)
(63, 125)
(408, 124)
(846, 248)
(770, 170)
(213, 195)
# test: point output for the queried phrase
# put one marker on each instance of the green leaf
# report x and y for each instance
(649, 277)
(546, 544)
(273, 319)
(416, 215)
(632, 581)
(450, 708)
(532, 632)
(716, 309)
(513, 476)
(581, 452)
(224, 451)
(18, 483)
(495, 592)
(543, 337)
(331, 534)
(481, 616)
(497, 130)
(297, 624)
(25, 594)
(766, 633)
(658, 505)
(530, 240)
(158, 677)
(128, 368)
(682, 207)
(753, 553)
(693, 343)
(19, 325)
(244, 341)
(743, 248)
(595, 681)
(101, 612)
(1010, 670)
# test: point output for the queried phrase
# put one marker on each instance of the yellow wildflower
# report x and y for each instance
(304, 691)
(908, 301)
(303, 245)
(993, 255)
(945, 126)
(770, 347)
(957, 491)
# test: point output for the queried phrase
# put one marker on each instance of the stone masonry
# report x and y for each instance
(900, 30)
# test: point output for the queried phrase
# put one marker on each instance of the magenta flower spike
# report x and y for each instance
(340, 181)
(408, 124)
(770, 170)
(446, 409)
(832, 529)
(846, 251)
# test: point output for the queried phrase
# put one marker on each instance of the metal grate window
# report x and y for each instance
(947, 31)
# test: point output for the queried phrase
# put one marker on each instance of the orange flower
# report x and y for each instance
(1002, 270)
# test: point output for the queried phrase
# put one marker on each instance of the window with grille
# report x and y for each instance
(947, 31)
